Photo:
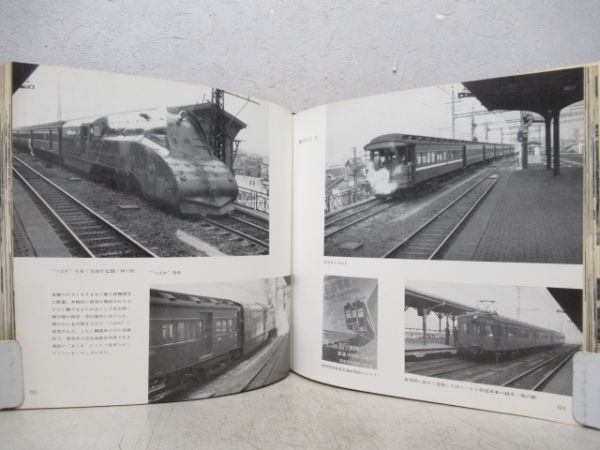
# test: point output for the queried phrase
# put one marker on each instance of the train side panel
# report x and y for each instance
(256, 330)
(186, 337)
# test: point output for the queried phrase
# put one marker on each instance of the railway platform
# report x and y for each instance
(416, 351)
(37, 236)
(268, 365)
(530, 216)
(562, 382)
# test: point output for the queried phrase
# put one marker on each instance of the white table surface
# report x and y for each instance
(295, 413)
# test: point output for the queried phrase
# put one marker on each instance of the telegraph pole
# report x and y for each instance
(453, 115)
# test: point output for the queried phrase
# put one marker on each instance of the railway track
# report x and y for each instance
(356, 215)
(443, 369)
(243, 226)
(263, 376)
(83, 231)
(535, 378)
(348, 211)
(429, 239)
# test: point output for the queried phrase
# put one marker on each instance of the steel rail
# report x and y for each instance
(129, 240)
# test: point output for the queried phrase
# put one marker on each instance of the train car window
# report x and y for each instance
(230, 324)
(180, 331)
(97, 131)
(168, 331)
(190, 330)
(488, 330)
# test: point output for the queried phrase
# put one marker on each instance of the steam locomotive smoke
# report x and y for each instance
(380, 180)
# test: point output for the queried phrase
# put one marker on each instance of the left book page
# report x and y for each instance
(151, 236)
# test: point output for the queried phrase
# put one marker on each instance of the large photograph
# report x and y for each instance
(213, 339)
(485, 170)
(520, 337)
(109, 165)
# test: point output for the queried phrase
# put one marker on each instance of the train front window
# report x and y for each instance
(488, 330)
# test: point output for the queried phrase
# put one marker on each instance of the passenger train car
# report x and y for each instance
(485, 334)
(162, 154)
(194, 336)
(412, 161)
(359, 320)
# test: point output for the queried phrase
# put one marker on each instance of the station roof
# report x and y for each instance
(537, 92)
(571, 301)
(418, 300)
(20, 73)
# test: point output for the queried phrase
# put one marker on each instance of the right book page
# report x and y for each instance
(438, 255)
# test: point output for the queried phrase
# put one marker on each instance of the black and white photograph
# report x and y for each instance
(350, 321)
(213, 339)
(519, 337)
(108, 165)
(488, 170)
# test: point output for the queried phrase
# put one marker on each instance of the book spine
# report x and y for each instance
(590, 201)
(7, 312)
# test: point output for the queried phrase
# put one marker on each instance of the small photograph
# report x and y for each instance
(512, 336)
(350, 321)
(108, 165)
(213, 339)
(488, 170)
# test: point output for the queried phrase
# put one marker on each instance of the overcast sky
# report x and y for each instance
(424, 111)
(84, 93)
(533, 305)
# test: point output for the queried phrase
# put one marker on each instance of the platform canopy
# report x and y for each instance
(571, 301)
(420, 300)
(21, 72)
(537, 92)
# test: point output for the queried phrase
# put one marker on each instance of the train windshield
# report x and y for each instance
(488, 330)
(158, 135)
(389, 157)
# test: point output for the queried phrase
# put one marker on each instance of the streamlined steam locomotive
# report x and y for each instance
(409, 161)
(165, 154)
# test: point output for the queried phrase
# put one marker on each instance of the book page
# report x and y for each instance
(440, 256)
(151, 236)
(7, 330)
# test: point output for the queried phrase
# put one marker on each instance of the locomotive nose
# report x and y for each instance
(211, 192)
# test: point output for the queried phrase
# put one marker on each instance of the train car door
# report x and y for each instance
(205, 334)
(411, 157)
(464, 156)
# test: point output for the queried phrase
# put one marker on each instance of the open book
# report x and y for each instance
(155, 233)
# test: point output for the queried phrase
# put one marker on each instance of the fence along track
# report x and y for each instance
(91, 233)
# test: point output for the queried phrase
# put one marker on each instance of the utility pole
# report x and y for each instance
(473, 125)
(354, 174)
(59, 107)
(453, 115)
